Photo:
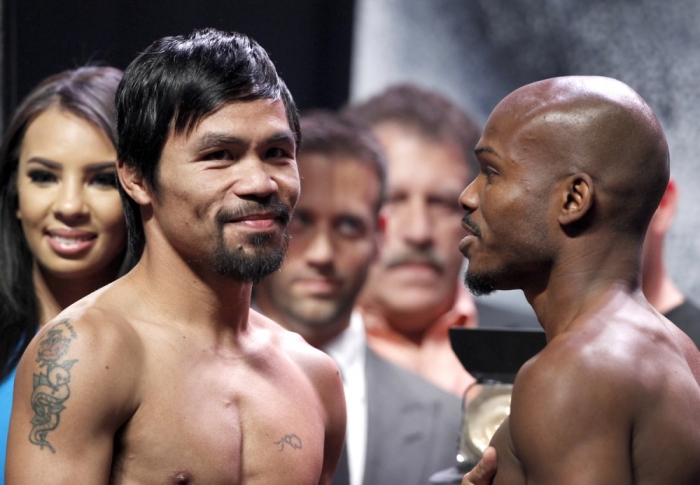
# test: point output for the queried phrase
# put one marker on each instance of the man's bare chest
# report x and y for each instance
(223, 424)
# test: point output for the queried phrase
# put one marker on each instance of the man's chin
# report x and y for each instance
(318, 315)
(480, 284)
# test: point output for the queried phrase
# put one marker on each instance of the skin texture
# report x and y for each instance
(188, 385)
(568, 167)
(334, 239)
(66, 188)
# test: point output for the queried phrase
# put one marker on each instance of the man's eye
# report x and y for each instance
(350, 227)
(445, 204)
(106, 179)
(276, 152)
(218, 155)
(41, 176)
(395, 198)
(300, 221)
(488, 172)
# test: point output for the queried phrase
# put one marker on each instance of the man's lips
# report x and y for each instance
(470, 226)
(258, 221)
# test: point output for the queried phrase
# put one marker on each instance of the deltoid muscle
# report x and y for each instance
(51, 384)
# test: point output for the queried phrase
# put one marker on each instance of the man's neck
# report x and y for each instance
(315, 335)
(178, 291)
(582, 279)
(395, 321)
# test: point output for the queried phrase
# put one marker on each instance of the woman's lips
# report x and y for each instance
(68, 242)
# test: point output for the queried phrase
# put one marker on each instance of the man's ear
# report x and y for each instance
(133, 183)
(576, 199)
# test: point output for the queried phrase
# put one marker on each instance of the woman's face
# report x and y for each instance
(69, 206)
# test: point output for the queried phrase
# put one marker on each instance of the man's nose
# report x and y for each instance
(468, 200)
(320, 250)
(417, 228)
(256, 180)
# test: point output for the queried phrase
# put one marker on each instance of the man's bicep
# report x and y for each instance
(334, 402)
(63, 418)
(570, 429)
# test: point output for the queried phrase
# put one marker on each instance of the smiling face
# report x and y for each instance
(416, 279)
(507, 204)
(334, 237)
(225, 191)
(68, 204)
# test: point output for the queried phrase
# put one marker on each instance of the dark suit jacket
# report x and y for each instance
(413, 427)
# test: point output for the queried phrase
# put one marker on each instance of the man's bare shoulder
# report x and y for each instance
(315, 363)
(617, 381)
(94, 335)
(627, 350)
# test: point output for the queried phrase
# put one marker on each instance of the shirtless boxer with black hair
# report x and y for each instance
(166, 376)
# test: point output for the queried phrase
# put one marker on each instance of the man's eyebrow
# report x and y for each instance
(486, 149)
(219, 139)
(283, 136)
(216, 139)
(92, 167)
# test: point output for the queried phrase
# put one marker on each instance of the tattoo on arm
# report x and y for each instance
(289, 439)
(51, 383)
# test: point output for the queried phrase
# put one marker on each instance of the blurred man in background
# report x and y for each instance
(400, 428)
(413, 294)
(658, 287)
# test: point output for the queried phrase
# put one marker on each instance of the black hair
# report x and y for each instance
(88, 93)
(175, 83)
(328, 133)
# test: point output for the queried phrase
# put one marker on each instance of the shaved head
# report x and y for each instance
(601, 127)
(563, 161)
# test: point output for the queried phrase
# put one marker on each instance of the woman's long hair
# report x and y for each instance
(88, 93)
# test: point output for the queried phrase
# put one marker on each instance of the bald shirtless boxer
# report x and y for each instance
(166, 376)
(572, 170)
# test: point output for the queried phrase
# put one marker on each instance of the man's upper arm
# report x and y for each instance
(326, 377)
(74, 388)
(571, 422)
(334, 401)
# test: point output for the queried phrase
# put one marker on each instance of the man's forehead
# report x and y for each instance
(249, 115)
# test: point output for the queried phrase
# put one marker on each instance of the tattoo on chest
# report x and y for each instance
(289, 440)
(51, 383)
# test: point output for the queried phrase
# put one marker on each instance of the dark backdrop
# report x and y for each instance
(309, 40)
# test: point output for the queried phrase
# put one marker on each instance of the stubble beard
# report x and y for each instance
(480, 284)
(259, 259)
(237, 264)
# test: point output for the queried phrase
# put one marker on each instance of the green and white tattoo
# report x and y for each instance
(51, 384)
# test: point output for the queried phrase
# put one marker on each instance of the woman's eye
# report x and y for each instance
(106, 179)
(41, 176)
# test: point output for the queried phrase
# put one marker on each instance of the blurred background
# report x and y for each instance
(473, 51)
